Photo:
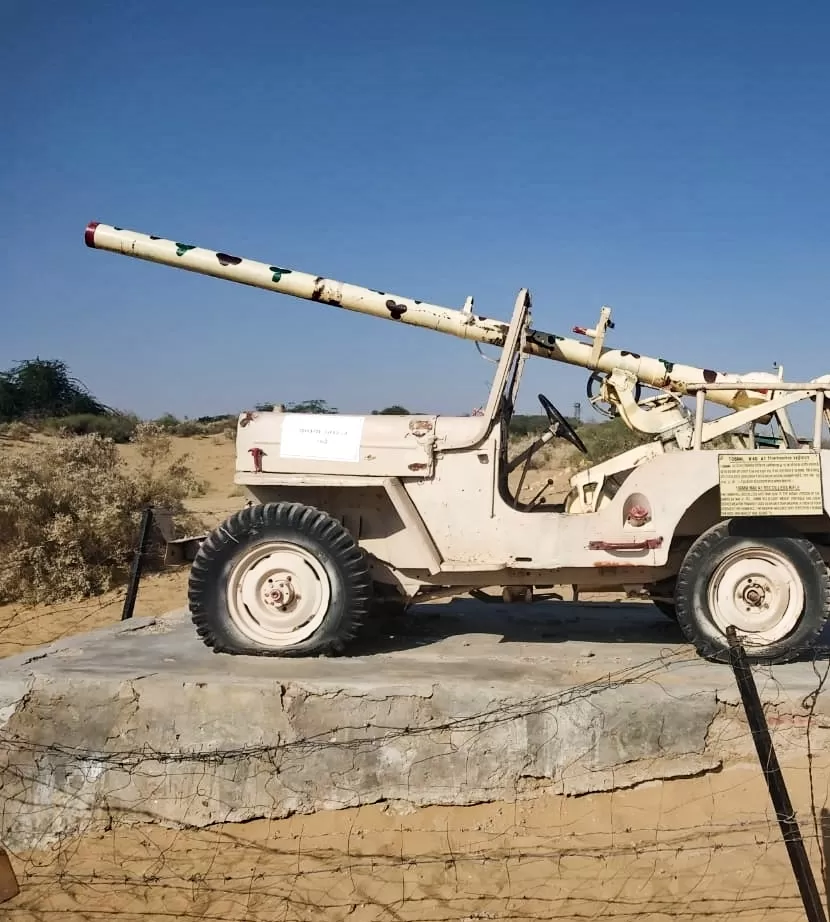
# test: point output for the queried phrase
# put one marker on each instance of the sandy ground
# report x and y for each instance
(699, 848)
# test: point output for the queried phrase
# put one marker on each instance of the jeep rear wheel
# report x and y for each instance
(280, 579)
(771, 584)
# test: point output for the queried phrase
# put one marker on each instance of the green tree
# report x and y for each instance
(310, 406)
(39, 388)
(304, 406)
(394, 410)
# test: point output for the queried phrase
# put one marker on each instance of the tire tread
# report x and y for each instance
(696, 557)
(338, 542)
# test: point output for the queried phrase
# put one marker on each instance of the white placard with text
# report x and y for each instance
(321, 438)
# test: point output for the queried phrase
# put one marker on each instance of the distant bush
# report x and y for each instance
(219, 425)
(533, 424)
(304, 406)
(224, 418)
(606, 440)
(190, 428)
(539, 459)
(120, 427)
(16, 431)
(395, 410)
(523, 425)
(69, 513)
(167, 422)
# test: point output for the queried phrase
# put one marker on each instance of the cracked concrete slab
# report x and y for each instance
(454, 704)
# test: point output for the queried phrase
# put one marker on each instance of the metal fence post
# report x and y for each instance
(138, 563)
(775, 779)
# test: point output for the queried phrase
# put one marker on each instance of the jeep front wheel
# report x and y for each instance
(771, 584)
(279, 579)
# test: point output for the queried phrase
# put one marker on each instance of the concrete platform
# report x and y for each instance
(455, 704)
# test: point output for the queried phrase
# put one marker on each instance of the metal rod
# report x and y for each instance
(818, 420)
(775, 780)
(138, 563)
(752, 385)
(700, 407)
(651, 371)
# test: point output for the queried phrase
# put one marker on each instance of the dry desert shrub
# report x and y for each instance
(15, 431)
(69, 513)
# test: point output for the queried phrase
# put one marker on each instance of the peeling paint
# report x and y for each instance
(227, 260)
(423, 424)
(319, 295)
(182, 248)
(543, 339)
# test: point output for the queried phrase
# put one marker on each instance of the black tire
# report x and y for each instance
(307, 529)
(669, 609)
(718, 544)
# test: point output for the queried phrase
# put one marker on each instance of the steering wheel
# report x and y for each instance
(560, 426)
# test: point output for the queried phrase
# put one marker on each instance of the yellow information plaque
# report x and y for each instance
(770, 483)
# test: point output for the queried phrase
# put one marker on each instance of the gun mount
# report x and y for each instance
(617, 375)
(344, 512)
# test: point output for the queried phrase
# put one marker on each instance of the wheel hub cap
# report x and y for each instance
(278, 594)
(759, 592)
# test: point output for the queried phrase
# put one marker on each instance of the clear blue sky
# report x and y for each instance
(668, 159)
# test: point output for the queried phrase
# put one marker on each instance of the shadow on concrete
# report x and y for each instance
(541, 622)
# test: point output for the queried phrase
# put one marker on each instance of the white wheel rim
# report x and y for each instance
(758, 591)
(278, 594)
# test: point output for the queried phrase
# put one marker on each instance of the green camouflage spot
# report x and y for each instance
(182, 248)
(668, 365)
(278, 273)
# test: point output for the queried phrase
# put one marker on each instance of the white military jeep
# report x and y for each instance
(345, 512)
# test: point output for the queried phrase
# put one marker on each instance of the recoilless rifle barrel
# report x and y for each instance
(653, 372)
